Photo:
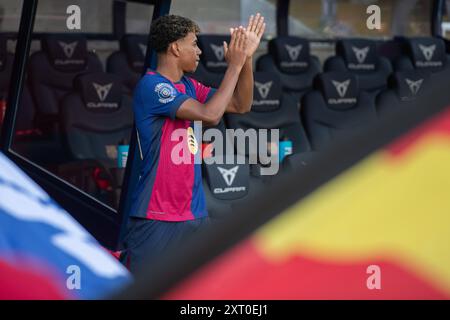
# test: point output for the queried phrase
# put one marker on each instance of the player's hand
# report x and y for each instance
(236, 51)
(254, 32)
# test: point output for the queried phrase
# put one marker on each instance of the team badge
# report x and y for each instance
(165, 91)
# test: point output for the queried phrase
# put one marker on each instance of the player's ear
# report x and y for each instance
(174, 48)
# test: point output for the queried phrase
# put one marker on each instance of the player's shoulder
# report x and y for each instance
(154, 82)
(192, 81)
(152, 77)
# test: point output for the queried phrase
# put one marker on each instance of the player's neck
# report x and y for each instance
(169, 70)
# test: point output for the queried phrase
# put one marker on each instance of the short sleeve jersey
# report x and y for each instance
(170, 184)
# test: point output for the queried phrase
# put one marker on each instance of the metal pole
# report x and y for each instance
(282, 17)
(437, 12)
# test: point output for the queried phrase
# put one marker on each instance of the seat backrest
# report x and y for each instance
(25, 117)
(403, 87)
(408, 85)
(227, 186)
(52, 70)
(423, 53)
(212, 64)
(289, 57)
(128, 62)
(271, 109)
(96, 117)
(336, 107)
(360, 57)
(228, 181)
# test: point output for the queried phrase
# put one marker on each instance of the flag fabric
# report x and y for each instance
(379, 230)
(44, 252)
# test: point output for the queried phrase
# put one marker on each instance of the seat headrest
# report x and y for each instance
(101, 92)
(291, 54)
(228, 181)
(339, 89)
(266, 92)
(409, 84)
(212, 56)
(428, 53)
(66, 53)
(360, 55)
(3, 52)
(134, 47)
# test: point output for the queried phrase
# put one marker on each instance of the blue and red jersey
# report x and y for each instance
(168, 190)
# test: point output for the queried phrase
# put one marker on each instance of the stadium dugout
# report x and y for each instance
(361, 113)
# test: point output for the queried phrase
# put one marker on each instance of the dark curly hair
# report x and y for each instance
(170, 28)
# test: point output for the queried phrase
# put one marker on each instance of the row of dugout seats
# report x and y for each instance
(72, 114)
(87, 111)
(357, 87)
(335, 107)
(52, 69)
(64, 68)
(370, 61)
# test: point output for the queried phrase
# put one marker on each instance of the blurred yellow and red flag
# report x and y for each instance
(380, 230)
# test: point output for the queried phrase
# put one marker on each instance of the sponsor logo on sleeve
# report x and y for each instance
(166, 93)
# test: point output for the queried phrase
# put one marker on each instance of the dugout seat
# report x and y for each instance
(128, 62)
(212, 65)
(360, 57)
(271, 109)
(227, 186)
(335, 107)
(403, 87)
(52, 70)
(427, 54)
(96, 117)
(290, 59)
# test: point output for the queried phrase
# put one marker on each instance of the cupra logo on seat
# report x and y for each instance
(361, 53)
(68, 48)
(102, 91)
(228, 175)
(263, 88)
(293, 51)
(341, 87)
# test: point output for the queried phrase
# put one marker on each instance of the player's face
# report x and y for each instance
(190, 52)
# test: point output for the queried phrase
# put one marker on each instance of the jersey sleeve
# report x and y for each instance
(202, 92)
(210, 94)
(160, 98)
